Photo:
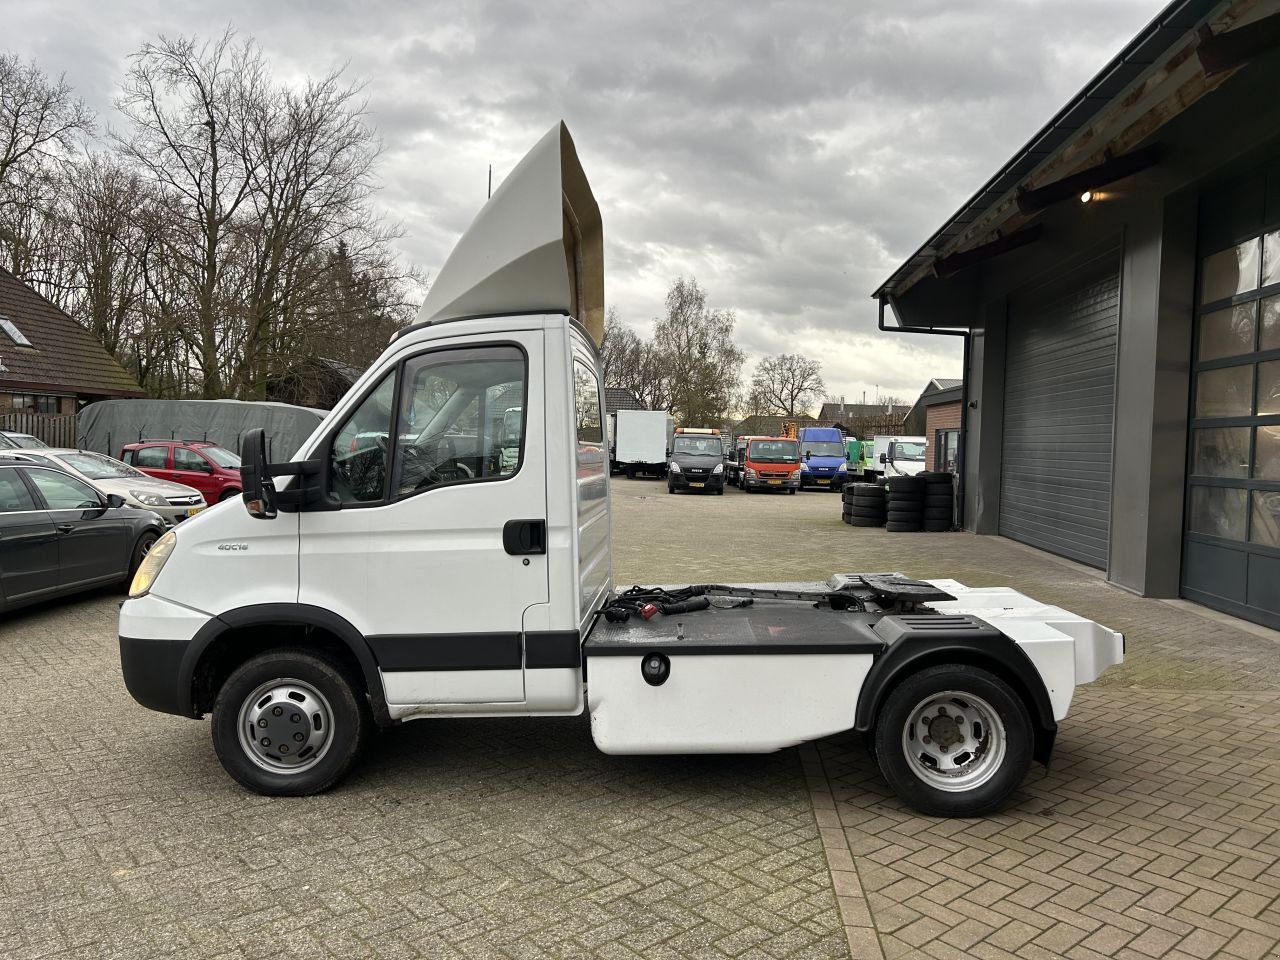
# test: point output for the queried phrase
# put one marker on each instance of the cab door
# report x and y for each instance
(439, 545)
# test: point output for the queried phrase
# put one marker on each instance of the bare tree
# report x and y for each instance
(186, 102)
(39, 123)
(703, 364)
(786, 385)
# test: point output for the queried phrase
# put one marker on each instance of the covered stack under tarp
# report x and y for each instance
(108, 425)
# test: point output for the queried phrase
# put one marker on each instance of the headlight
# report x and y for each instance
(843, 468)
(804, 466)
(675, 467)
(750, 474)
(719, 468)
(152, 564)
(150, 499)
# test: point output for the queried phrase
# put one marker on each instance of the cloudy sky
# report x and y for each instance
(788, 155)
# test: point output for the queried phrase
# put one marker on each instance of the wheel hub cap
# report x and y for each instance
(954, 741)
(285, 726)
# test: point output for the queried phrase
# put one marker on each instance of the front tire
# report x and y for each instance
(288, 723)
(140, 551)
(954, 741)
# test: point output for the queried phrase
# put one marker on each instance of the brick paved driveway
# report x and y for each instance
(1155, 834)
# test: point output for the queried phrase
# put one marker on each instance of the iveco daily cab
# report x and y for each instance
(405, 569)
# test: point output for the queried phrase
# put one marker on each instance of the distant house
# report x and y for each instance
(865, 420)
(49, 364)
(620, 398)
(772, 426)
(936, 417)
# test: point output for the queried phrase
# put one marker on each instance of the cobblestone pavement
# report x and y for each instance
(1154, 835)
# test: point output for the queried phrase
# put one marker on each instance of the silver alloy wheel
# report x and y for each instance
(285, 726)
(954, 741)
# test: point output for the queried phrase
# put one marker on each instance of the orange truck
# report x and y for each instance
(770, 463)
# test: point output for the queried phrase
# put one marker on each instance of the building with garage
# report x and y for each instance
(1116, 285)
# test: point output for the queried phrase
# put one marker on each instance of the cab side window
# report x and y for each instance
(361, 451)
(62, 492)
(462, 418)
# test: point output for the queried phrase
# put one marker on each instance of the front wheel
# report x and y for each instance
(289, 723)
(954, 740)
(140, 551)
(228, 494)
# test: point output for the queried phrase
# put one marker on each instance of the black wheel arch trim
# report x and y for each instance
(1006, 660)
(298, 614)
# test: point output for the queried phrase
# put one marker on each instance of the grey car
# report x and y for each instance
(59, 535)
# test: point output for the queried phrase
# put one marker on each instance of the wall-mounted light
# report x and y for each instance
(1087, 196)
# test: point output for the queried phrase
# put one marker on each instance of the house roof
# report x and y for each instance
(63, 357)
(854, 411)
(1153, 79)
(938, 390)
(620, 398)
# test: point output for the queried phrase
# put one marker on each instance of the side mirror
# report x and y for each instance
(115, 501)
(808, 454)
(668, 454)
(884, 458)
(259, 489)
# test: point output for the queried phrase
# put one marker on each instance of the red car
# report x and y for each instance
(211, 469)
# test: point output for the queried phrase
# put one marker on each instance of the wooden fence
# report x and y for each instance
(57, 430)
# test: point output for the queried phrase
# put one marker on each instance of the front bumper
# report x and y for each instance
(157, 652)
(703, 481)
(759, 484)
(823, 481)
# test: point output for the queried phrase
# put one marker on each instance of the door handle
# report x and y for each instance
(524, 537)
(66, 527)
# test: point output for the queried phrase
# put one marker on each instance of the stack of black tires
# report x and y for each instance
(905, 502)
(863, 504)
(938, 501)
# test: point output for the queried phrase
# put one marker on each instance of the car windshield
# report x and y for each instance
(222, 457)
(698, 446)
(908, 451)
(97, 467)
(824, 448)
(775, 451)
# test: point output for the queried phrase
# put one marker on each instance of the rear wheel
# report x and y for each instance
(954, 740)
(289, 723)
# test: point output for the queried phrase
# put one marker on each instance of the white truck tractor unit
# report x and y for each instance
(463, 569)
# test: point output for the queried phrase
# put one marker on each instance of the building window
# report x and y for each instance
(946, 450)
(33, 403)
(1234, 491)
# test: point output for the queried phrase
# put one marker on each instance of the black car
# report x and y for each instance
(59, 535)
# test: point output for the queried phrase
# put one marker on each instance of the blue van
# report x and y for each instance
(822, 458)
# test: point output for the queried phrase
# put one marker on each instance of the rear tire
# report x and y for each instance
(980, 749)
(315, 743)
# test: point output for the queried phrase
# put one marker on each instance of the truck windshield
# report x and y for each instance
(698, 446)
(775, 451)
(824, 448)
(908, 451)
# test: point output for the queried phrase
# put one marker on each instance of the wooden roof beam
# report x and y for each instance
(1099, 175)
(1225, 51)
(945, 267)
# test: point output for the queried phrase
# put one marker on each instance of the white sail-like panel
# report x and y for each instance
(535, 246)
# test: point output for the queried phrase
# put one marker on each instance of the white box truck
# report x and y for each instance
(641, 442)
(387, 582)
(896, 457)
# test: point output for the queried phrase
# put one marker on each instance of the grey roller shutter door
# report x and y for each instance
(1059, 408)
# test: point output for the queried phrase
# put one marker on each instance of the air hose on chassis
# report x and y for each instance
(649, 601)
